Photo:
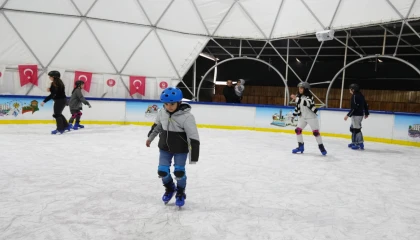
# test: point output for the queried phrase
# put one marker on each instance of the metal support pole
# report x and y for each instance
(394, 34)
(399, 38)
(287, 69)
(344, 71)
(303, 50)
(240, 48)
(252, 47)
(412, 29)
(364, 58)
(313, 64)
(195, 80)
(346, 45)
(282, 58)
(262, 49)
(354, 40)
(384, 43)
(231, 55)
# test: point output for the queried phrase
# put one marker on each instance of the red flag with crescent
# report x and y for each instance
(85, 77)
(28, 74)
(137, 85)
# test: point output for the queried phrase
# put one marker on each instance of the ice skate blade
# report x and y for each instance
(297, 152)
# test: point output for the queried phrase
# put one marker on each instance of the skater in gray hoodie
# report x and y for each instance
(75, 105)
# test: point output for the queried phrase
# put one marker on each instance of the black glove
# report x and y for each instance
(195, 150)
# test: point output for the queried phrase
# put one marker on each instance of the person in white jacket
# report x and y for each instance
(306, 111)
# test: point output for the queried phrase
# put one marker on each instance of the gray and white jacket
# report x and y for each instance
(177, 131)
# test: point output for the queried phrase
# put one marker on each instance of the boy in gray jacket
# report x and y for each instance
(178, 136)
(75, 105)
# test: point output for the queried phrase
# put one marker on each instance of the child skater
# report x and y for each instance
(177, 135)
(75, 105)
(359, 108)
(57, 93)
(306, 110)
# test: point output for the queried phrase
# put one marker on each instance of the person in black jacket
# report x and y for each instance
(229, 93)
(57, 93)
(359, 109)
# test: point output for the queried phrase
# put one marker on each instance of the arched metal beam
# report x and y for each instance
(364, 58)
(244, 58)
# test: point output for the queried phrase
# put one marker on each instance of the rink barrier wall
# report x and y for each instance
(381, 126)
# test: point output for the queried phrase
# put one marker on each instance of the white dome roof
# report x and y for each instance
(162, 38)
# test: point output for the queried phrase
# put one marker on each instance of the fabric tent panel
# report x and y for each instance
(129, 36)
(186, 49)
(403, 6)
(415, 12)
(83, 5)
(213, 11)
(49, 6)
(82, 52)
(238, 24)
(122, 10)
(154, 8)
(263, 14)
(182, 16)
(323, 9)
(12, 50)
(2, 2)
(295, 19)
(361, 12)
(31, 26)
(150, 60)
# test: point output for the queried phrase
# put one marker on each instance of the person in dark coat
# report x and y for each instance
(57, 93)
(229, 93)
(359, 109)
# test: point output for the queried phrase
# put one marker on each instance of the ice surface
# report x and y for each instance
(101, 183)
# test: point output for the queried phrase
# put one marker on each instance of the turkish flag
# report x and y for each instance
(85, 77)
(137, 85)
(28, 74)
(162, 83)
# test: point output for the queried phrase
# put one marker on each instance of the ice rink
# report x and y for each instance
(101, 183)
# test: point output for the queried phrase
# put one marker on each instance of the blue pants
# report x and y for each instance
(165, 159)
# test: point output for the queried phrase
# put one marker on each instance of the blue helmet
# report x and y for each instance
(171, 95)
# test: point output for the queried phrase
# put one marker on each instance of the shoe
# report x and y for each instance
(56, 131)
(180, 197)
(322, 149)
(169, 192)
(300, 149)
